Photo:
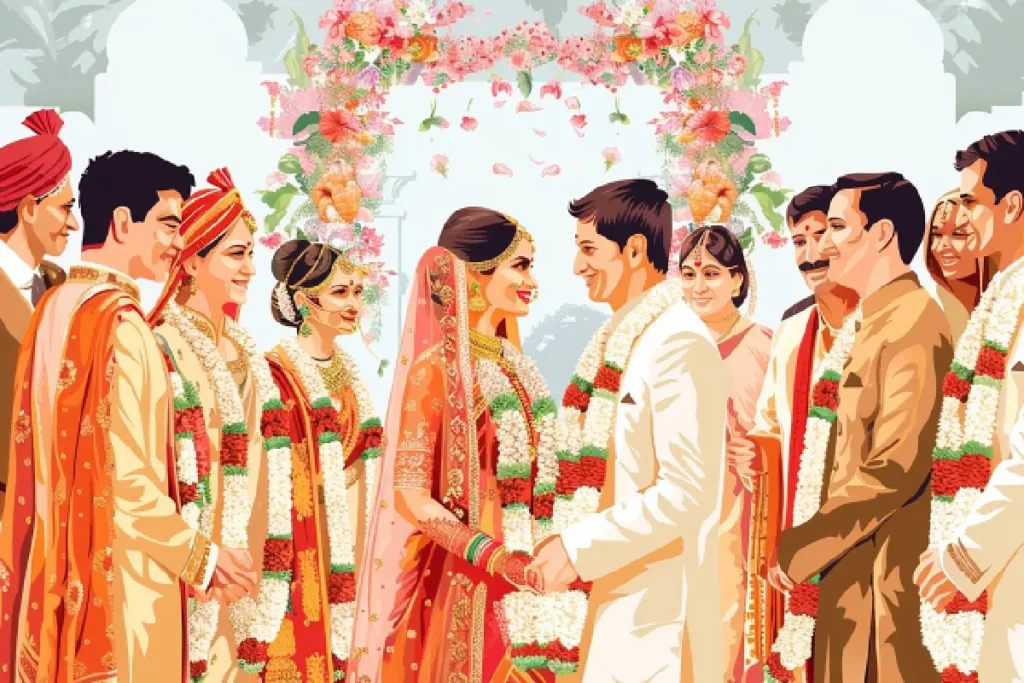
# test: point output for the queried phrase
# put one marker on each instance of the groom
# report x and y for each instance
(648, 540)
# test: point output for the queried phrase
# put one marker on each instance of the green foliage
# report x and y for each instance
(769, 200)
(740, 120)
(289, 164)
(310, 118)
(293, 57)
(751, 77)
(730, 146)
(759, 163)
(668, 146)
(525, 81)
(279, 200)
(318, 145)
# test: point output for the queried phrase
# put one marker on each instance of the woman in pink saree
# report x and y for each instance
(716, 282)
(452, 527)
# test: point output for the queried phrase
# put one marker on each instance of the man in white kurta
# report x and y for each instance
(651, 549)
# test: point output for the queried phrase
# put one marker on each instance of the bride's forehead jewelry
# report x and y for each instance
(490, 264)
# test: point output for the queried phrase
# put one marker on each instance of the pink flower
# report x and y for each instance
(599, 14)
(737, 65)
(498, 104)
(345, 57)
(334, 76)
(553, 169)
(519, 60)
(273, 88)
(311, 65)
(501, 169)
(334, 22)
(679, 184)
(271, 241)
(540, 133)
(469, 123)
(305, 160)
(439, 165)
(500, 86)
(526, 106)
(774, 89)
(276, 180)
(772, 179)
(682, 215)
(372, 241)
(702, 57)
(369, 184)
(553, 88)
(364, 215)
(572, 103)
(444, 123)
(714, 21)
(611, 157)
(773, 239)
(579, 122)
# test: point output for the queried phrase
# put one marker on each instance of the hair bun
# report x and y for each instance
(286, 256)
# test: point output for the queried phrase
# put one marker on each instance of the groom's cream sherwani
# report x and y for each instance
(989, 551)
(652, 549)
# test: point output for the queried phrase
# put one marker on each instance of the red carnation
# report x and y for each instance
(341, 587)
(372, 438)
(557, 651)
(514, 490)
(593, 471)
(338, 663)
(544, 506)
(777, 670)
(188, 493)
(324, 420)
(581, 585)
(804, 600)
(960, 603)
(278, 555)
(608, 379)
(202, 444)
(197, 669)
(575, 398)
(274, 423)
(953, 386)
(951, 674)
(991, 363)
(975, 471)
(234, 450)
(253, 651)
(826, 394)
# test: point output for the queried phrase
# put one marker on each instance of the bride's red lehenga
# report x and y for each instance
(424, 613)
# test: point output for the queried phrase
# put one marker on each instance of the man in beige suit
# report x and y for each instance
(99, 560)
(650, 548)
(36, 202)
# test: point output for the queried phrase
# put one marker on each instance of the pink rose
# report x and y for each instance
(271, 241)
(737, 65)
(311, 65)
(469, 124)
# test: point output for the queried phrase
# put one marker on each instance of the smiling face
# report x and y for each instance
(953, 244)
(50, 221)
(708, 286)
(599, 261)
(511, 287)
(849, 245)
(155, 241)
(806, 235)
(986, 217)
(339, 307)
(223, 275)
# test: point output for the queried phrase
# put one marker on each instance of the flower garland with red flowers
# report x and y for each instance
(794, 643)
(962, 462)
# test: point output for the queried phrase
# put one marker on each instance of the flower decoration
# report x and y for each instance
(526, 47)
(439, 165)
(611, 157)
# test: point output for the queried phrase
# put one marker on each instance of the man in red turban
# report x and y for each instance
(36, 200)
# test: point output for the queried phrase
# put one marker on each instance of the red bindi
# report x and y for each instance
(697, 263)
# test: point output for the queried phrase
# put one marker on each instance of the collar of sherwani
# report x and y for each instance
(94, 275)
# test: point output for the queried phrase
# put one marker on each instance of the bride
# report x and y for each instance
(467, 481)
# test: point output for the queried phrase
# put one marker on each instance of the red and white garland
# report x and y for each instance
(793, 646)
(255, 621)
(341, 583)
(961, 462)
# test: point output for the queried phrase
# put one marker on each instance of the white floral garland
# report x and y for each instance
(366, 411)
(186, 460)
(332, 461)
(956, 639)
(795, 639)
(249, 618)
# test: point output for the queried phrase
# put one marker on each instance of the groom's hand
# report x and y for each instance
(553, 565)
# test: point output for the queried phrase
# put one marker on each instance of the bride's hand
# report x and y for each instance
(518, 570)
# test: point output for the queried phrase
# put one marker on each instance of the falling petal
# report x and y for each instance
(554, 88)
(579, 122)
(499, 86)
(498, 104)
(539, 133)
(527, 106)
(553, 169)
(469, 123)
(397, 121)
(539, 163)
(501, 169)
(572, 103)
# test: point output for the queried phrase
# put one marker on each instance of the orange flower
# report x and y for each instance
(712, 125)
(364, 28)
(340, 126)
(422, 48)
(333, 191)
(691, 28)
(628, 48)
(711, 189)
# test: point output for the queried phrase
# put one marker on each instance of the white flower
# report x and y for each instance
(418, 13)
(628, 13)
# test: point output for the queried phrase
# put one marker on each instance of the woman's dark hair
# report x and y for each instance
(724, 248)
(299, 261)
(475, 234)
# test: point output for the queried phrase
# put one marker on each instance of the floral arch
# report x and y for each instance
(332, 108)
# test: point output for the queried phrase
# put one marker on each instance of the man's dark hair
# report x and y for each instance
(1003, 154)
(814, 198)
(129, 179)
(891, 196)
(625, 208)
(8, 220)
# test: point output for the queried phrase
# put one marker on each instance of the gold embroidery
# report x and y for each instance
(476, 667)
(410, 406)
(103, 413)
(86, 428)
(99, 502)
(73, 596)
(60, 493)
(308, 571)
(284, 644)
(67, 376)
(282, 670)
(108, 661)
(79, 669)
(418, 376)
(316, 669)
(103, 563)
(302, 487)
(23, 428)
(461, 624)
(94, 275)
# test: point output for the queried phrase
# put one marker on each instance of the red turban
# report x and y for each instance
(206, 217)
(36, 165)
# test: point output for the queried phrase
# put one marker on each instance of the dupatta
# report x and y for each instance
(437, 321)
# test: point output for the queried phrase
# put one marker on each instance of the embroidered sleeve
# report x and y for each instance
(419, 425)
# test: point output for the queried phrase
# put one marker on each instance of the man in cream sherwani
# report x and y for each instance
(651, 548)
(988, 553)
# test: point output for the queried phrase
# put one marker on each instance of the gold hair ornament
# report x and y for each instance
(491, 264)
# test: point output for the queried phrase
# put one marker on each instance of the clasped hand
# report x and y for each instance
(551, 571)
(234, 577)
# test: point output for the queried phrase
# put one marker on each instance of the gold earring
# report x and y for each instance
(193, 286)
(477, 303)
(536, 295)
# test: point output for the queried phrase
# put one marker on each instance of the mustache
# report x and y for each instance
(808, 266)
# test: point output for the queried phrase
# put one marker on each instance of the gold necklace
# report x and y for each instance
(335, 374)
(725, 334)
(484, 345)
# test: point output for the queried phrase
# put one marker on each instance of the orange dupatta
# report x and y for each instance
(55, 550)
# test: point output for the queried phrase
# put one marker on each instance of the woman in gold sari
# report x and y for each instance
(466, 483)
(960, 277)
(232, 433)
(319, 295)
